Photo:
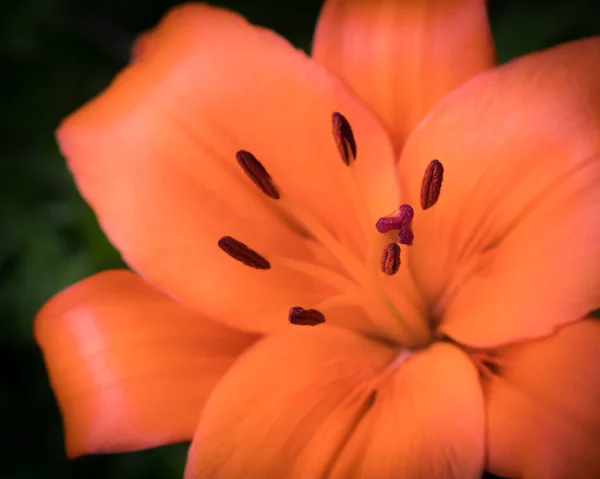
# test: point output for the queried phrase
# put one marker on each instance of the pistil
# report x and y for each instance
(401, 220)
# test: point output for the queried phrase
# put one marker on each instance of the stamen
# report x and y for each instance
(305, 317)
(344, 138)
(242, 253)
(257, 173)
(390, 259)
(401, 220)
(346, 145)
(432, 184)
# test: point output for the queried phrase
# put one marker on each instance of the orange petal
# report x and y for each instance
(290, 405)
(287, 406)
(512, 248)
(140, 46)
(402, 56)
(544, 409)
(155, 157)
(131, 368)
(427, 422)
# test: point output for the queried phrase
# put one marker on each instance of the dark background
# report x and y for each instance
(55, 55)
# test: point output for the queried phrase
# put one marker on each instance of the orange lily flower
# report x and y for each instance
(211, 165)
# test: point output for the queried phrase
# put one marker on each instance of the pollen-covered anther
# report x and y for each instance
(401, 220)
(257, 173)
(390, 259)
(432, 184)
(305, 317)
(239, 251)
(344, 138)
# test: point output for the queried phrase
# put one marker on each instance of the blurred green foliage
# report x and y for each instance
(55, 55)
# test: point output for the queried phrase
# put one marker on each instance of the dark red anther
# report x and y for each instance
(390, 259)
(257, 173)
(305, 317)
(239, 251)
(432, 184)
(344, 138)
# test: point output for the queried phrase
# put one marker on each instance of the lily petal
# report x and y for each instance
(131, 368)
(140, 45)
(512, 248)
(292, 406)
(428, 421)
(402, 56)
(543, 411)
(154, 155)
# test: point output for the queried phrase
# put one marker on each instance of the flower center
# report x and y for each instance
(359, 280)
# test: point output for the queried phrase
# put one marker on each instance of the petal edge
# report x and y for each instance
(130, 368)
